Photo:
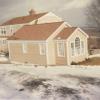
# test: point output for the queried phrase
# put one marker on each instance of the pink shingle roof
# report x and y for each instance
(36, 32)
(23, 19)
(65, 33)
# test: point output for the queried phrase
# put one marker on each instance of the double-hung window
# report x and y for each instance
(42, 47)
(60, 49)
(3, 31)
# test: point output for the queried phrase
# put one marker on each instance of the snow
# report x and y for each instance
(3, 58)
(26, 82)
(41, 71)
(94, 55)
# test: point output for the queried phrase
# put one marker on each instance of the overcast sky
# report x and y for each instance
(72, 11)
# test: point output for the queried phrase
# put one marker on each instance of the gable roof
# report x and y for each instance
(36, 32)
(23, 19)
(65, 33)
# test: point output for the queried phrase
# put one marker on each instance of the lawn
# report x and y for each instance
(91, 61)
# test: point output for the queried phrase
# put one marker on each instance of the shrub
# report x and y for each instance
(73, 63)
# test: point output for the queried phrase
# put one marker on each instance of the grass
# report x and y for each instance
(91, 61)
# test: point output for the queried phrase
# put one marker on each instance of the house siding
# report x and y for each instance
(48, 18)
(32, 56)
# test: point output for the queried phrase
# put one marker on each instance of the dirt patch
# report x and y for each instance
(35, 84)
(91, 61)
(64, 91)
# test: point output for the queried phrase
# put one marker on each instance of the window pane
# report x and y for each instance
(77, 45)
(72, 48)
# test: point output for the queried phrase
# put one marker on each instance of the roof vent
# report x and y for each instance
(32, 12)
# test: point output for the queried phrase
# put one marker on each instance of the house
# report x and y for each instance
(48, 44)
(9, 27)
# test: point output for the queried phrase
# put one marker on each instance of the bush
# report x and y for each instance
(7, 54)
(73, 63)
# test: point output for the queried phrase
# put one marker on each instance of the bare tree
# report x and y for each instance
(93, 14)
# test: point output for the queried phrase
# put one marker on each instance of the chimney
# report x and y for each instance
(32, 12)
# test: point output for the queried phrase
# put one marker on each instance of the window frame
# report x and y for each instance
(77, 46)
(59, 47)
(3, 31)
(42, 49)
(4, 42)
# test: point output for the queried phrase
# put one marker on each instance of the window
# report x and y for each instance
(82, 46)
(60, 49)
(12, 29)
(77, 45)
(4, 41)
(72, 49)
(3, 31)
(24, 47)
(42, 47)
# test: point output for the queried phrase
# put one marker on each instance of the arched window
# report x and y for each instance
(77, 45)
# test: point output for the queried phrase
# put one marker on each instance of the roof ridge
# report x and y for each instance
(11, 21)
(45, 23)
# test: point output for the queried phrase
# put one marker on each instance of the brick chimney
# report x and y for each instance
(32, 12)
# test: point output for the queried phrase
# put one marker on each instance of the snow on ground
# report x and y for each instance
(94, 55)
(26, 82)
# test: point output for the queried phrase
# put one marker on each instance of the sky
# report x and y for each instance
(72, 11)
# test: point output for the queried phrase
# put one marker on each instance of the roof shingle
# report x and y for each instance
(36, 32)
(23, 19)
(65, 33)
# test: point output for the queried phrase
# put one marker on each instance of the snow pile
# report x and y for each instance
(15, 85)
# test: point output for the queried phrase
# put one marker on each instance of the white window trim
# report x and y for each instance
(24, 47)
(58, 52)
(42, 47)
